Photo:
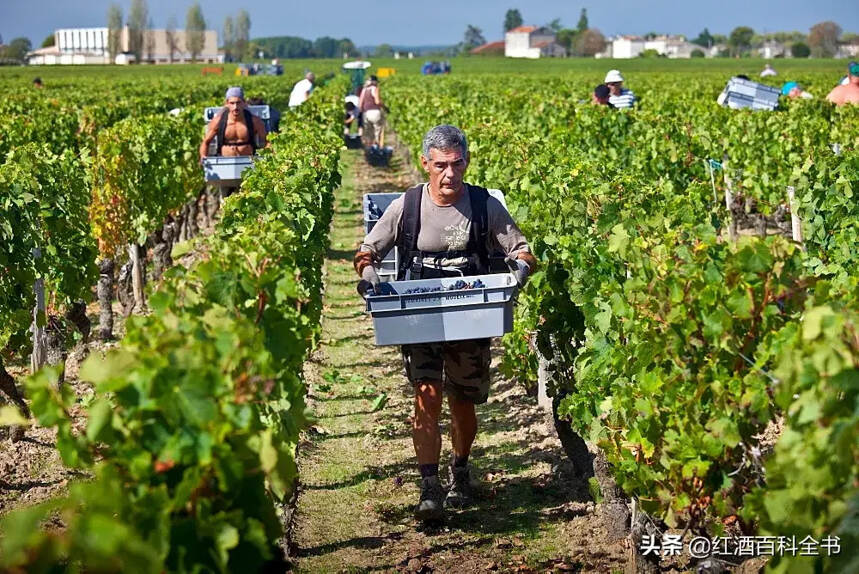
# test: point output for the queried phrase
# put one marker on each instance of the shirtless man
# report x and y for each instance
(243, 132)
(847, 93)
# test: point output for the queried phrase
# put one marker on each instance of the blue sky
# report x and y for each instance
(406, 22)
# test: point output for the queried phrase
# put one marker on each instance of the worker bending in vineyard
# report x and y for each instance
(237, 130)
(444, 228)
(847, 93)
(301, 90)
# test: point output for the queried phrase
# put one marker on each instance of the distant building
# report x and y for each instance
(772, 49)
(532, 42)
(90, 46)
(490, 49)
(624, 47)
(848, 51)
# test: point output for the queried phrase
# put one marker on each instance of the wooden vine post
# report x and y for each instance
(729, 203)
(40, 349)
(795, 221)
(137, 276)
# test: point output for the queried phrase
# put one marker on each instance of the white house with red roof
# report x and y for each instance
(532, 42)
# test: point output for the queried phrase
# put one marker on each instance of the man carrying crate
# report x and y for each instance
(238, 131)
(444, 228)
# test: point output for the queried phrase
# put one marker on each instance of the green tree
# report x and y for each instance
(697, 53)
(800, 50)
(583, 21)
(740, 40)
(229, 38)
(555, 25)
(823, 39)
(326, 47)
(17, 49)
(384, 51)
(704, 39)
(243, 34)
(114, 30)
(346, 48)
(285, 47)
(512, 19)
(49, 41)
(472, 38)
(138, 16)
(149, 41)
(171, 38)
(195, 28)
(567, 39)
(589, 43)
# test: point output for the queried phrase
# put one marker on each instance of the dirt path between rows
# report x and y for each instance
(359, 480)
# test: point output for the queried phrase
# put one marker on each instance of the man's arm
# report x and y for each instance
(259, 130)
(211, 132)
(381, 238)
(506, 235)
(833, 96)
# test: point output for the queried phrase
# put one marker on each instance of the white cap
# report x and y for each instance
(613, 76)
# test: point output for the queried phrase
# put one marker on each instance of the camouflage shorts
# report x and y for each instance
(464, 364)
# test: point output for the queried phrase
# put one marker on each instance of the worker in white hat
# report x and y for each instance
(620, 97)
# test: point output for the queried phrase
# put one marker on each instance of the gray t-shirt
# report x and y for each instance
(446, 228)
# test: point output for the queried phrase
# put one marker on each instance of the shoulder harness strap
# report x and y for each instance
(249, 122)
(222, 129)
(479, 226)
(410, 228)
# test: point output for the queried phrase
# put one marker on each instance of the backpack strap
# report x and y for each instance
(479, 233)
(410, 228)
(222, 129)
(249, 122)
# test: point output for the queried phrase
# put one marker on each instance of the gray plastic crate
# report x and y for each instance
(226, 171)
(404, 319)
(262, 112)
(390, 262)
(740, 93)
(382, 201)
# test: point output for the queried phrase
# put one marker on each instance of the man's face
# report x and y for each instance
(446, 169)
(615, 87)
(235, 105)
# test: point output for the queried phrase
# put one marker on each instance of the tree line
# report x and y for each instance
(141, 37)
(295, 47)
(822, 41)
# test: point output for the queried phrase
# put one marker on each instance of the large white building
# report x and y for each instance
(90, 46)
(532, 42)
(624, 47)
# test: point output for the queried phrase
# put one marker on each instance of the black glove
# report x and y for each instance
(369, 283)
(520, 271)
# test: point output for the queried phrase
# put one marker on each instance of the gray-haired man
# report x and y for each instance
(444, 227)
